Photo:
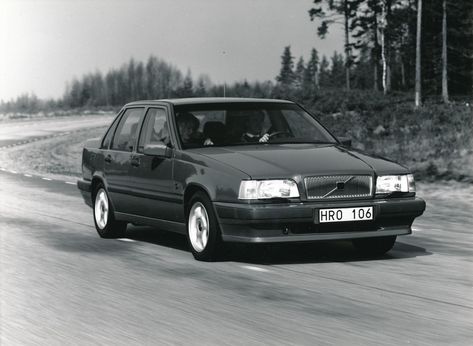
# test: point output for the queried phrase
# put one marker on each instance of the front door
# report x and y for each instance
(152, 175)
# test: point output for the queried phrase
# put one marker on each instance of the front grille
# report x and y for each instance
(338, 186)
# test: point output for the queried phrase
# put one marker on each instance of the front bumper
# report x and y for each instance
(296, 222)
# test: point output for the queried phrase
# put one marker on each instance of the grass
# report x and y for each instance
(435, 141)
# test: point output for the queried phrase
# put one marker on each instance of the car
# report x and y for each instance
(242, 170)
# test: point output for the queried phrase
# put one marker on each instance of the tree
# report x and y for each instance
(286, 76)
(300, 72)
(311, 73)
(339, 12)
(382, 27)
(365, 29)
(187, 87)
(203, 86)
(140, 81)
(460, 47)
(337, 70)
(418, 52)
(324, 74)
(444, 53)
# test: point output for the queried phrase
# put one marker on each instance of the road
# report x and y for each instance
(62, 284)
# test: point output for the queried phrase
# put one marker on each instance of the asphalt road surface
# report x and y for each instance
(62, 284)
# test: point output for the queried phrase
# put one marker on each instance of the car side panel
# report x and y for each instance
(92, 167)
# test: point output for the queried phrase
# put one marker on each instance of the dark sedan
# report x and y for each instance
(242, 170)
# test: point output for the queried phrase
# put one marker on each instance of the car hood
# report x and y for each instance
(290, 160)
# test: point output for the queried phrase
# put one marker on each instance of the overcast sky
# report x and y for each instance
(44, 44)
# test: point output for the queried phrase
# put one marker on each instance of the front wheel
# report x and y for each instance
(202, 228)
(104, 218)
(374, 246)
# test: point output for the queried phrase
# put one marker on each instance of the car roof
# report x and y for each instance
(206, 100)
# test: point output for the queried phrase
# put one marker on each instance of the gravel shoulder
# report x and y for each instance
(54, 156)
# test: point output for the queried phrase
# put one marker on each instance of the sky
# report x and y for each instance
(44, 43)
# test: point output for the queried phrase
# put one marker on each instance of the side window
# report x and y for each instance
(127, 130)
(155, 129)
(108, 137)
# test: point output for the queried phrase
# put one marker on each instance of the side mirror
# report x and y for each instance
(345, 141)
(160, 150)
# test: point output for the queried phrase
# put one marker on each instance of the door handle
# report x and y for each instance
(135, 161)
(108, 159)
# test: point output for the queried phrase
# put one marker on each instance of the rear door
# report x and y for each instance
(118, 159)
(151, 176)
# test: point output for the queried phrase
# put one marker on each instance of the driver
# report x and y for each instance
(255, 132)
(188, 125)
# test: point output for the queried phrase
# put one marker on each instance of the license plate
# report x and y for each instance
(346, 214)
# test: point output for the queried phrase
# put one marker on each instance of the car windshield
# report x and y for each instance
(227, 124)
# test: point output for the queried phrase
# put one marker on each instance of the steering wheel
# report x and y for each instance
(277, 133)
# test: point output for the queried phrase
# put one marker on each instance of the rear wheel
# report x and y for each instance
(203, 233)
(374, 246)
(104, 218)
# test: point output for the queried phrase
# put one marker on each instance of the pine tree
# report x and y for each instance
(444, 53)
(337, 70)
(187, 87)
(324, 74)
(300, 72)
(200, 89)
(365, 30)
(418, 57)
(311, 76)
(286, 76)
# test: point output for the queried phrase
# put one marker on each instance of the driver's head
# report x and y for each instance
(187, 124)
(255, 122)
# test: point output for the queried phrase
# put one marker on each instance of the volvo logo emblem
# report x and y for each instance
(339, 185)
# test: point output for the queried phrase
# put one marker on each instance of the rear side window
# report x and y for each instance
(108, 137)
(127, 130)
(155, 129)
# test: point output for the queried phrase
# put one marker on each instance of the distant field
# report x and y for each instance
(52, 114)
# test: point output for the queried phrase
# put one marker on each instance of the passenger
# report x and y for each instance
(255, 132)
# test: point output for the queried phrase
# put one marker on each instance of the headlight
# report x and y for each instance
(263, 189)
(395, 183)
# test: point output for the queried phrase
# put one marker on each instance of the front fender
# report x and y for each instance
(220, 181)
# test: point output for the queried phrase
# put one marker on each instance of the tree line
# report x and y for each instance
(389, 46)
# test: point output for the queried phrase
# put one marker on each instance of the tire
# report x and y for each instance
(104, 218)
(203, 233)
(374, 246)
